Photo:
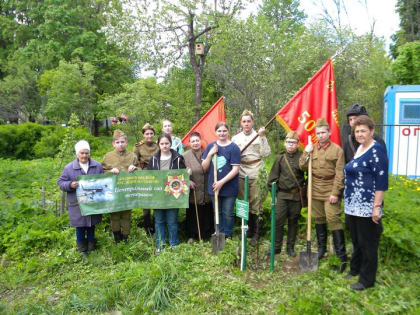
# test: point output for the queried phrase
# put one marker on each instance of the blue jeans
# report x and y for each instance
(163, 217)
(226, 216)
(85, 233)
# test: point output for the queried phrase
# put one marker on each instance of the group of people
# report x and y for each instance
(360, 171)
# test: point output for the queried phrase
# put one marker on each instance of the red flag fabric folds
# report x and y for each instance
(205, 126)
(316, 99)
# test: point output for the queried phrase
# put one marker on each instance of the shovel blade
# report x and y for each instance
(218, 242)
(308, 261)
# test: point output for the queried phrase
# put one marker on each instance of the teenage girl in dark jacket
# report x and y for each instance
(166, 159)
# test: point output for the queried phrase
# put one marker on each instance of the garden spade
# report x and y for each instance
(217, 239)
(308, 260)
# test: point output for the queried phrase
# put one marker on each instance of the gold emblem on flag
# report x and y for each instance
(330, 85)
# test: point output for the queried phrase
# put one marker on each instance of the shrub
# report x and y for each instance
(18, 141)
(28, 141)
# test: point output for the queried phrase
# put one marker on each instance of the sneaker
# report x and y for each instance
(157, 252)
(190, 240)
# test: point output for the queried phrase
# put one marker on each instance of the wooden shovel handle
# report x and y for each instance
(216, 193)
(308, 236)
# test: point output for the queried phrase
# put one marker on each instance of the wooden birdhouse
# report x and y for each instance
(199, 48)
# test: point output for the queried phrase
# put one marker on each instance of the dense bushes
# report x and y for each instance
(18, 141)
(401, 237)
(29, 141)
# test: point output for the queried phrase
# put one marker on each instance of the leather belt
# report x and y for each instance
(291, 191)
(324, 177)
(250, 162)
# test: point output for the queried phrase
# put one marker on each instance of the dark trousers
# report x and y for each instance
(206, 221)
(365, 235)
(287, 210)
(85, 233)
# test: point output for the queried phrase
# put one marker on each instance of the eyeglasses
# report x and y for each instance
(291, 142)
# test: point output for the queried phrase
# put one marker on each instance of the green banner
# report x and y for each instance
(105, 193)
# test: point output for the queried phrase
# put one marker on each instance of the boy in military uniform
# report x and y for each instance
(289, 179)
(114, 162)
(144, 150)
(251, 162)
(327, 187)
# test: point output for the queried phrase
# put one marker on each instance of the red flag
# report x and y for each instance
(205, 126)
(316, 99)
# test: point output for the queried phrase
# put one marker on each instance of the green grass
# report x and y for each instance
(44, 274)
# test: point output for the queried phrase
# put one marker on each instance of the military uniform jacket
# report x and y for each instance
(256, 150)
(120, 160)
(327, 170)
(285, 182)
(144, 151)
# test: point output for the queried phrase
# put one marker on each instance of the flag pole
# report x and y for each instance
(256, 136)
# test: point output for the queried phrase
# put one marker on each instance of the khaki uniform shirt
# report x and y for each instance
(120, 160)
(257, 150)
(199, 176)
(287, 188)
(144, 151)
(326, 161)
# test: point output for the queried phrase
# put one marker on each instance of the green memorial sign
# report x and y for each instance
(242, 209)
(105, 193)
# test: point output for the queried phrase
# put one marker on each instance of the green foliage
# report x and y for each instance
(18, 141)
(400, 241)
(142, 101)
(29, 141)
(409, 12)
(28, 231)
(262, 180)
(69, 89)
(406, 68)
(37, 35)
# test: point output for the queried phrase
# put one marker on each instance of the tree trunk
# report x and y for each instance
(198, 89)
(95, 129)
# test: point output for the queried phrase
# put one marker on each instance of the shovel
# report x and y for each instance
(217, 239)
(308, 260)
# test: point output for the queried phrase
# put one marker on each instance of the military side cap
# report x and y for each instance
(118, 133)
(247, 113)
(321, 122)
(292, 135)
(147, 126)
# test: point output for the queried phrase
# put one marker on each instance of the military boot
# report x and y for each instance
(340, 248)
(258, 229)
(291, 238)
(117, 236)
(321, 235)
(82, 248)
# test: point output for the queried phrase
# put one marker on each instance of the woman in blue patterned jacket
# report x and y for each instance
(366, 180)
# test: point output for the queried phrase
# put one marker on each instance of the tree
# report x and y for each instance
(142, 101)
(69, 89)
(19, 99)
(43, 33)
(409, 12)
(406, 68)
(166, 29)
